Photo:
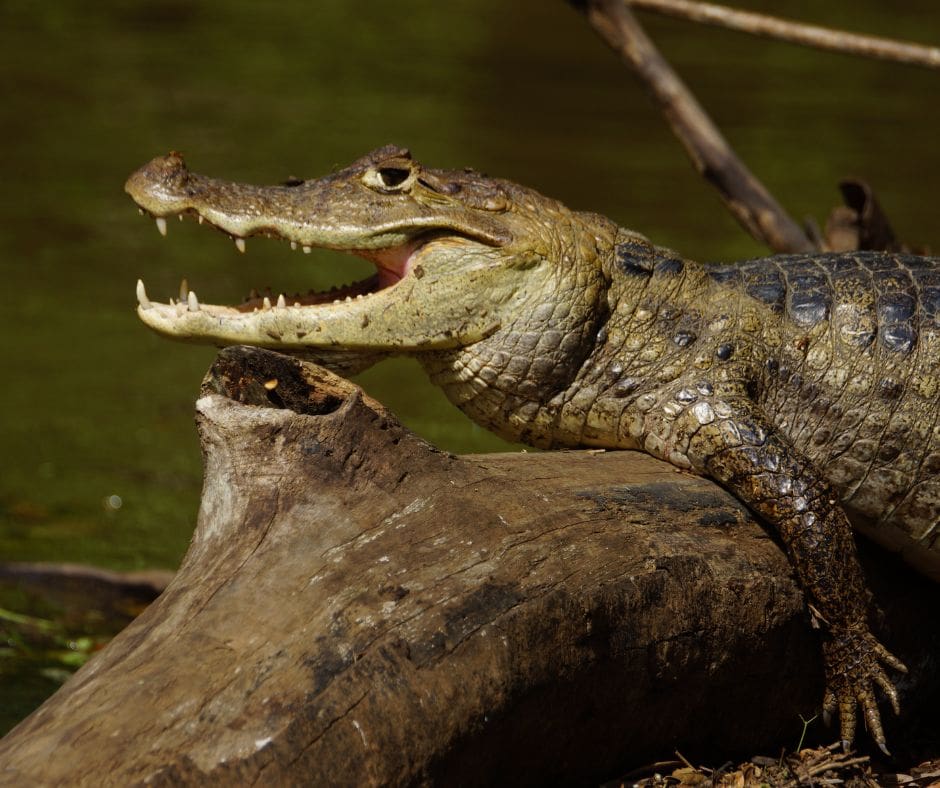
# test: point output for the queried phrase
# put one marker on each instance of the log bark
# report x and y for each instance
(360, 608)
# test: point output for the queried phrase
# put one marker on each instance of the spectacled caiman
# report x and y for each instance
(807, 384)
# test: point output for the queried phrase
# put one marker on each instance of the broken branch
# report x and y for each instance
(744, 195)
(795, 32)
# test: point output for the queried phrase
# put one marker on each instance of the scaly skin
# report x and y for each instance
(806, 385)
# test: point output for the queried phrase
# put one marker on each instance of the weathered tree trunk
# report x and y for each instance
(358, 608)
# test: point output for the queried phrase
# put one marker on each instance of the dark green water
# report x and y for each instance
(96, 411)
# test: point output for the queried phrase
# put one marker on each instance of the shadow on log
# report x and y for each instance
(358, 607)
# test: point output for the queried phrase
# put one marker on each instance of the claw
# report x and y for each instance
(854, 666)
(888, 657)
(890, 692)
(872, 718)
(847, 719)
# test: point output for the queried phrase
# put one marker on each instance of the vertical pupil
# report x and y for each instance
(393, 176)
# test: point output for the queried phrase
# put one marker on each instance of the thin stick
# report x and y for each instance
(795, 32)
(745, 196)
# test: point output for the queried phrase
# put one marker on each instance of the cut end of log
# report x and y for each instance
(252, 376)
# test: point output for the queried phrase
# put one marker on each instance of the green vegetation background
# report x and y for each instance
(100, 462)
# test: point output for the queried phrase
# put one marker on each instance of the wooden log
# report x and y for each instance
(360, 608)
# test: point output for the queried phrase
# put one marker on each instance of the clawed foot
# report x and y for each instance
(853, 660)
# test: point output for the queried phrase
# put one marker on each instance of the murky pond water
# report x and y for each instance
(100, 458)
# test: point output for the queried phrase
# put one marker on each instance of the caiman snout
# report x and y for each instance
(161, 186)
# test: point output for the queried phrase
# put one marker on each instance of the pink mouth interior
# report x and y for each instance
(392, 265)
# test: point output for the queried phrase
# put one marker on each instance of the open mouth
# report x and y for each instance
(392, 265)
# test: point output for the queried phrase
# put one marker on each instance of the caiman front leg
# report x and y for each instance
(727, 439)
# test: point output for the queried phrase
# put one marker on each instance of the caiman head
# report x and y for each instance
(461, 259)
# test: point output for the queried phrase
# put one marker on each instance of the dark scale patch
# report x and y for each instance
(889, 388)
(896, 310)
(862, 339)
(765, 283)
(635, 257)
(895, 307)
(809, 298)
(915, 263)
(771, 293)
(888, 452)
(670, 266)
(684, 338)
(725, 351)
(808, 309)
(927, 280)
(724, 274)
(898, 338)
(878, 261)
(930, 303)
(840, 264)
(928, 275)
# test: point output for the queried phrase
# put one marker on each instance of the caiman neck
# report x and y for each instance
(536, 379)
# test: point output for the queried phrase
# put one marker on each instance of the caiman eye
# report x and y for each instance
(393, 176)
(389, 179)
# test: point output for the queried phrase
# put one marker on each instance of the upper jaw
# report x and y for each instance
(336, 212)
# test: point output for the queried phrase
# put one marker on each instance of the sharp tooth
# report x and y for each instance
(181, 217)
(184, 289)
(199, 218)
(293, 245)
(336, 301)
(240, 245)
(161, 225)
(266, 304)
(297, 303)
(180, 309)
(307, 250)
(358, 296)
(281, 301)
(140, 211)
(192, 302)
(172, 302)
(142, 296)
(348, 299)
